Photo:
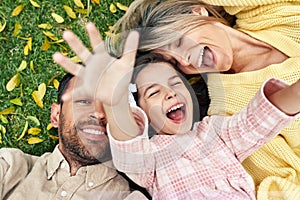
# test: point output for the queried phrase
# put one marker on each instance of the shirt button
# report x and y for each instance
(90, 184)
(62, 165)
(63, 193)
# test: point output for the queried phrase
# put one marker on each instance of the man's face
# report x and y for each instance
(82, 128)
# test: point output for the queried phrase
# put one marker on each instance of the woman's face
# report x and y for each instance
(204, 49)
(165, 99)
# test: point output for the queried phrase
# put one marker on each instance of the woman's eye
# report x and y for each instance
(176, 83)
(83, 101)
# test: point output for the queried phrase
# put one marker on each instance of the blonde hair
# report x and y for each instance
(159, 22)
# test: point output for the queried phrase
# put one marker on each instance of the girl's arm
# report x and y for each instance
(287, 99)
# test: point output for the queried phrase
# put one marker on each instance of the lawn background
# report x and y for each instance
(18, 107)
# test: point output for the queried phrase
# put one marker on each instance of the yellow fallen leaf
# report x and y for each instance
(45, 26)
(17, 29)
(83, 11)
(2, 26)
(53, 137)
(42, 90)
(3, 119)
(112, 8)
(57, 18)
(76, 59)
(122, 7)
(109, 34)
(58, 41)
(22, 66)
(34, 120)
(29, 43)
(24, 131)
(7, 111)
(21, 90)
(56, 84)
(34, 140)
(13, 82)
(16, 101)
(26, 50)
(79, 3)
(46, 45)
(53, 77)
(34, 131)
(31, 66)
(49, 126)
(17, 10)
(96, 1)
(2, 129)
(70, 12)
(38, 101)
(111, 28)
(35, 4)
(50, 35)
(39, 94)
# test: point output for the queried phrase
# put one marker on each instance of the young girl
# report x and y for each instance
(202, 163)
(183, 160)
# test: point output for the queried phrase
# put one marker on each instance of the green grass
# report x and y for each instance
(44, 69)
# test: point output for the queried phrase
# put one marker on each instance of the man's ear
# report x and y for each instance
(54, 117)
(200, 10)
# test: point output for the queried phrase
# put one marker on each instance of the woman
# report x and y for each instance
(263, 42)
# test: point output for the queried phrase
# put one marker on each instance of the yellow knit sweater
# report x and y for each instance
(275, 167)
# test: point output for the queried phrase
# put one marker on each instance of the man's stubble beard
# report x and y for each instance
(75, 148)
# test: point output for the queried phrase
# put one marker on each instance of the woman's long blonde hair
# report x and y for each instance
(159, 22)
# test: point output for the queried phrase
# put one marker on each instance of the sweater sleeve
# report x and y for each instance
(134, 157)
(254, 125)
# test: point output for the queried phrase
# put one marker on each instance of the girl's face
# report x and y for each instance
(165, 99)
(204, 49)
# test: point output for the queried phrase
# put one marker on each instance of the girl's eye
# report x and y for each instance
(151, 94)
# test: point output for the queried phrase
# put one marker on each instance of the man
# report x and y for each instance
(80, 167)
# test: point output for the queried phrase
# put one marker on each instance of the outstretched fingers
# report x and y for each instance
(130, 48)
(67, 64)
(76, 45)
(94, 35)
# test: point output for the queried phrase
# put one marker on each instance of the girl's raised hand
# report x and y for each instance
(101, 75)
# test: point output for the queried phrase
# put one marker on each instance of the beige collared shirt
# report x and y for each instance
(24, 176)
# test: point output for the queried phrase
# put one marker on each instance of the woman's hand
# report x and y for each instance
(101, 76)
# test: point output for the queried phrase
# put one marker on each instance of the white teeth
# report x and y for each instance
(201, 57)
(175, 107)
(93, 131)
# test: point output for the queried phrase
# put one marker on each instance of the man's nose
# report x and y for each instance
(99, 112)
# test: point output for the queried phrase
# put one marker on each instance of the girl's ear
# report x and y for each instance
(54, 117)
(200, 10)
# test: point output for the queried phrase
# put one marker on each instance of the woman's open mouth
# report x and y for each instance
(206, 59)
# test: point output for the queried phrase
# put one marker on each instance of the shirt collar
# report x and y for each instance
(95, 174)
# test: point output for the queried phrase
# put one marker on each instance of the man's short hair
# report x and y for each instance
(64, 83)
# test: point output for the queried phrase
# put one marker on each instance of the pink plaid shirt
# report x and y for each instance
(204, 163)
